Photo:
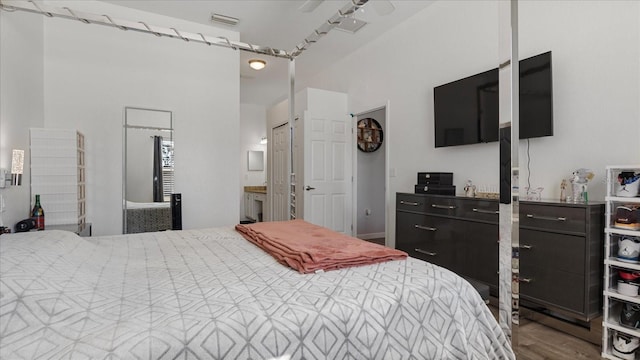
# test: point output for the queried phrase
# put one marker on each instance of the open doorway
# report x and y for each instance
(370, 179)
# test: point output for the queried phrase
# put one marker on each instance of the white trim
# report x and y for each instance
(354, 169)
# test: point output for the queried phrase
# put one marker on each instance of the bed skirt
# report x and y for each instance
(148, 220)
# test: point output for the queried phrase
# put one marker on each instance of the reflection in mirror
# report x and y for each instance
(256, 160)
(148, 170)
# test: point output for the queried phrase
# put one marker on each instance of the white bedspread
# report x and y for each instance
(210, 294)
(150, 205)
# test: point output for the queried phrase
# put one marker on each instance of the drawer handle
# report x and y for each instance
(425, 252)
(525, 280)
(409, 203)
(425, 227)
(448, 207)
(531, 216)
(526, 247)
(485, 211)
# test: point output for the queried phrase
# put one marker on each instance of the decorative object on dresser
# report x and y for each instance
(469, 189)
(580, 179)
(560, 249)
(621, 325)
(563, 190)
(437, 183)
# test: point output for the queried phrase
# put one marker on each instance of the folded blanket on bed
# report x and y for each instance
(309, 248)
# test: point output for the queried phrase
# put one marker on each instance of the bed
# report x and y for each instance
(146, 217)
(211, 294)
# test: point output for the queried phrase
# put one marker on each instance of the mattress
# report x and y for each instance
(153, 205)
(210, 294)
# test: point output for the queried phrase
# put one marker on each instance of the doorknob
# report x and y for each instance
(309, 188)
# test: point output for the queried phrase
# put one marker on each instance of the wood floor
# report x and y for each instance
(537, 342)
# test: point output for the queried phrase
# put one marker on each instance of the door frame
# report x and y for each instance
(354, 167)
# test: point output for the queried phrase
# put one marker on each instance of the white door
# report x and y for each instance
(327, 171)
(280, 144)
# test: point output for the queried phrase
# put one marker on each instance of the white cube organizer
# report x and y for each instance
(58, 174)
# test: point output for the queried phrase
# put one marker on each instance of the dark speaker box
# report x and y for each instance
(435, 178)
(435, 189)
(176, 211)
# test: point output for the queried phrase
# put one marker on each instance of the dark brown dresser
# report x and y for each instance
(561, 246)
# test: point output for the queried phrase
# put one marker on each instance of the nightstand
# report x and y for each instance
(81, 230)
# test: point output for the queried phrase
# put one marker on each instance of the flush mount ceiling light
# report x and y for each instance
(257, 64)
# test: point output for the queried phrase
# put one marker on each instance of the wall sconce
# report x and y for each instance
(17, 167)
(263, 141)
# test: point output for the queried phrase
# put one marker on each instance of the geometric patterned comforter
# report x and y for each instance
(210, 294)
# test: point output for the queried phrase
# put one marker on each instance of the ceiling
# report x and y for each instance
(282, 25)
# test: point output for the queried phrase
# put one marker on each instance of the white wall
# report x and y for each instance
(21, 101)
(92, 72)
(253, 127)
(370, 186)
(595, 47)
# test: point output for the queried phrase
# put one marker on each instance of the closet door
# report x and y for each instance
(280, 143)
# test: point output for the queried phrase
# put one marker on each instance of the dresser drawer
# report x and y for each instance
(411, 202)
(483, 210)
(552, 287)
(432, 204)
(553, 218)
(418, 230)
(429, 238)
(552, 250)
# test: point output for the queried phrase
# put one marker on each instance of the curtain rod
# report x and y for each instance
(141, 26)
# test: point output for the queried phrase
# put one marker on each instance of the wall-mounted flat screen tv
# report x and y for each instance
(466, 110)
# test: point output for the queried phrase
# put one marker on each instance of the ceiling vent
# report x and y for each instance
(224, 19)
(351, 25)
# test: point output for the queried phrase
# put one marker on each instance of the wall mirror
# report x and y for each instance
(255, 160)
(148, 170)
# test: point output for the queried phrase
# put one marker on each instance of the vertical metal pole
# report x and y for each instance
(124, 173)
(291, 181)
(509, 75)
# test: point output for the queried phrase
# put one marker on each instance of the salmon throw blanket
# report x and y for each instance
(309, 248)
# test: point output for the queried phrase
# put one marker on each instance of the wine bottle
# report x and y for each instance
(37, 214)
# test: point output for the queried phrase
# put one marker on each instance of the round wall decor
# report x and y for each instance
(369, 135)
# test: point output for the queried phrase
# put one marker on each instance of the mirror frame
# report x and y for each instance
(255, 160)
(126, 126)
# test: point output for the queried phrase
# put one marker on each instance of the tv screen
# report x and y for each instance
(466, 110)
